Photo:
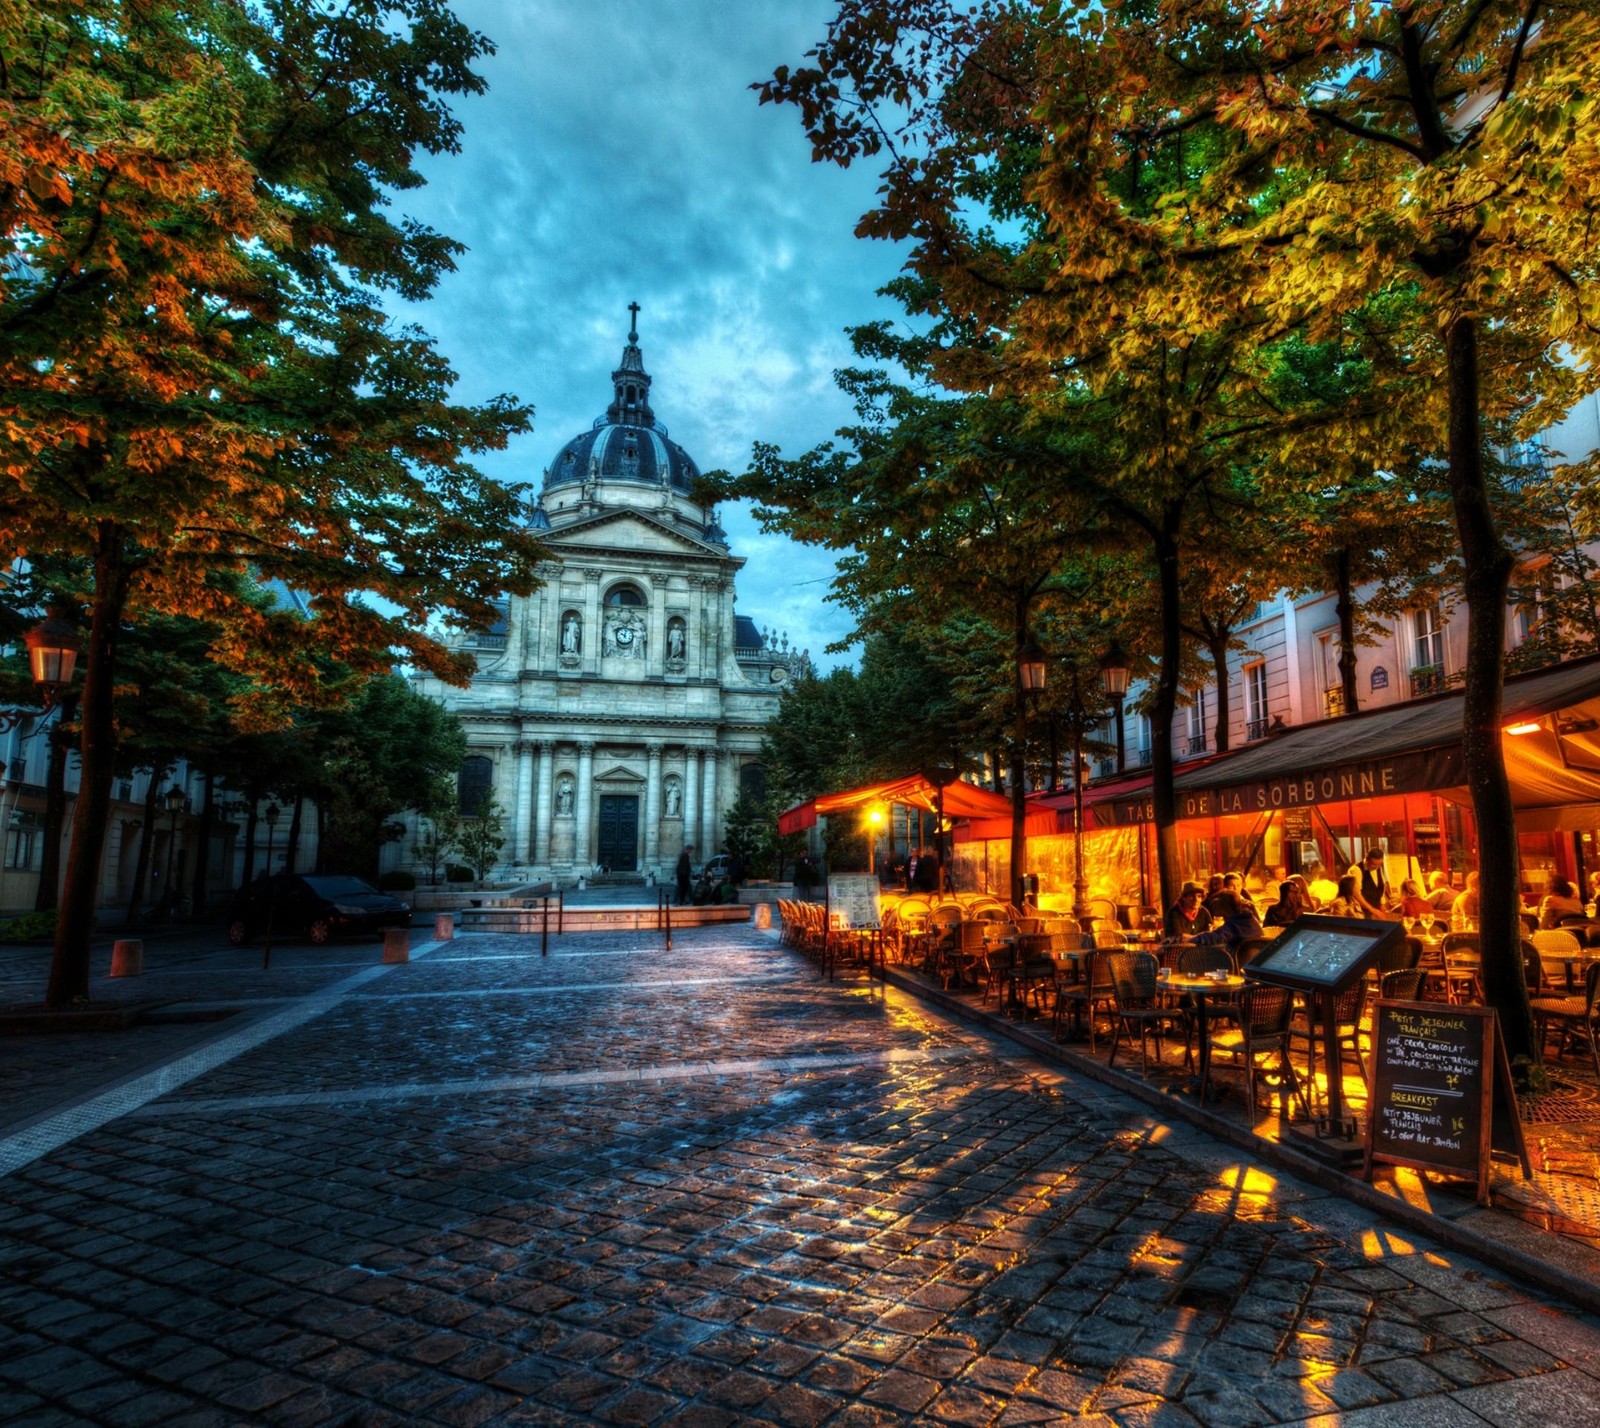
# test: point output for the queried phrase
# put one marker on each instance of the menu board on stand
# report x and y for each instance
(1440, 1092)
(1320, 957)
(851, 907)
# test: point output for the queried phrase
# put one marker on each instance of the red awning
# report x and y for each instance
(961, 800)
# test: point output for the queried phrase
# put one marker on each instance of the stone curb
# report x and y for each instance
(1577, 1281)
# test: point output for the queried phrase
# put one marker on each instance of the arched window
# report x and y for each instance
(473, 784)
(753, 782)
(624, 595)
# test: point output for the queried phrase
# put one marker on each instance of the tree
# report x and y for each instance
(438, 827)
(482, 835)
(199, 375)
(1444, 152)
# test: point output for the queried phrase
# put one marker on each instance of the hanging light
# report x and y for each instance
(1030, 665)
(175, 799)
(1115, 671)
(53, 650)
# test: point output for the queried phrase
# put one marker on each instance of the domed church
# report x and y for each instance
(617, 712)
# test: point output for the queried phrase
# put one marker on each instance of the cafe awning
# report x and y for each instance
(961, 800)
(1554, 766)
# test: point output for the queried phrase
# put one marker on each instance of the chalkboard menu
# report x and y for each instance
(853, 901)
(1323, 954)
(1440, 1096)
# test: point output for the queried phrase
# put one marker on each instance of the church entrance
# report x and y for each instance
(619, 832)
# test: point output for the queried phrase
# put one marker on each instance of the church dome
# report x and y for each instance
(627, 443)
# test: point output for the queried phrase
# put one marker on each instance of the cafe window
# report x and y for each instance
(1427, 628)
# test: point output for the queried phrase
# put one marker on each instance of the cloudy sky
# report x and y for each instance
(620, 155)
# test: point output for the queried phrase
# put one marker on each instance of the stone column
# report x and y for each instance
(708, 804)
(592, 632)
(691, 799)
(522, 824)
(652, 806)
(583, 854)
(544, 809)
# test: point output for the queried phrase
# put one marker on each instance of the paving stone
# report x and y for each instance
(953, 1237)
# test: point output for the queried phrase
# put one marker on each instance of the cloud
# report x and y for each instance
(620, 155)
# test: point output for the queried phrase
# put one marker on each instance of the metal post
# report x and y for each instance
(667, 923)
(1080, 884)
(561, 911)
(1121, 751)
(544, 928)
(272, 902)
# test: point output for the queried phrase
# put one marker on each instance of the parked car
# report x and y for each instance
(318, 906)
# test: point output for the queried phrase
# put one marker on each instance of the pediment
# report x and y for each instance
(633, 532)
(618, 774)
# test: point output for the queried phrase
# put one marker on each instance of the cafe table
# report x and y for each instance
(1201, 990)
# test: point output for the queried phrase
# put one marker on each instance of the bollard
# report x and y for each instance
(444, 926)
(127, 957)
(763, 915)
(397, 944)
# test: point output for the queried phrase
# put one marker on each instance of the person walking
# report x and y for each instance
(682, 872)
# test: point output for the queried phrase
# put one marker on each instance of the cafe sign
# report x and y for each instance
(1424, 771)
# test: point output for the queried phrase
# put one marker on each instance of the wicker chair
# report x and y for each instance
(1404, 986)
(1136, 992)
(1093, 989)
(1264, 1014)
(1571, 1014)
(1558, 946)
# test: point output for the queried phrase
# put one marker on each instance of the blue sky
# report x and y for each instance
(620, 155)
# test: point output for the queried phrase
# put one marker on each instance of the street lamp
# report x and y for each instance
(1030, 680)
(53, 650)
(874, 823)
(1114, 673)
(176, 798)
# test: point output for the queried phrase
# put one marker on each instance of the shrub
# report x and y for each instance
(397, 880)
(30, 927)
(459, 873)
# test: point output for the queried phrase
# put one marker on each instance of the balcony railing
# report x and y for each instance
(1139, 758)
(483, 640)
(1426, 681)
(1255, 729)
(1332, 703)
(1107, 767)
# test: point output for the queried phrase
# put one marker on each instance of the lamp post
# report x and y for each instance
(175, 798)
(270, 814)
(874, 823)
(1114, 673)
(53, 650)
(1080, 881)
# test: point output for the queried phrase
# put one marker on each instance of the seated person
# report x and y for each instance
(1560, 900)
(1213, 887)
(1239, 924)
(1234, 883)
(1412, 901)
(1440, 893)
(1286, 911)
(1347, 901)
(1464, 910)
(1188, 915)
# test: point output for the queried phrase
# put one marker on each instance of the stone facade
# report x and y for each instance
(619, 707)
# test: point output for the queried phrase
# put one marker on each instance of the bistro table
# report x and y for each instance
(1202, 989)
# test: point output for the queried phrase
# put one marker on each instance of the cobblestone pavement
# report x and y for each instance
(623, 1186)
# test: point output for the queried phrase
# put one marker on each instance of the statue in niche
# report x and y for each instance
(675, 644)
(564, 793)
(571, 634)
(625, 632)
(674, 797)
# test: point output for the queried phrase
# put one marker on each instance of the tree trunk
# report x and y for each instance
(1019, 753)
(69, 964)
(202, 852)
(322, 839)
(147, 838)
(1345, 608)
(1487, 565)
(247, 869)
(55, 809)
(1163, 798)
(292, 851)
(1218, 650)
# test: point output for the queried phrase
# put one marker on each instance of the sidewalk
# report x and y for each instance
(1546, 1229)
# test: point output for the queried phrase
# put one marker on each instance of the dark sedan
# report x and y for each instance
(318, 906)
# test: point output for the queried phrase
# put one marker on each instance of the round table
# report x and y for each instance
(1203, 989)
